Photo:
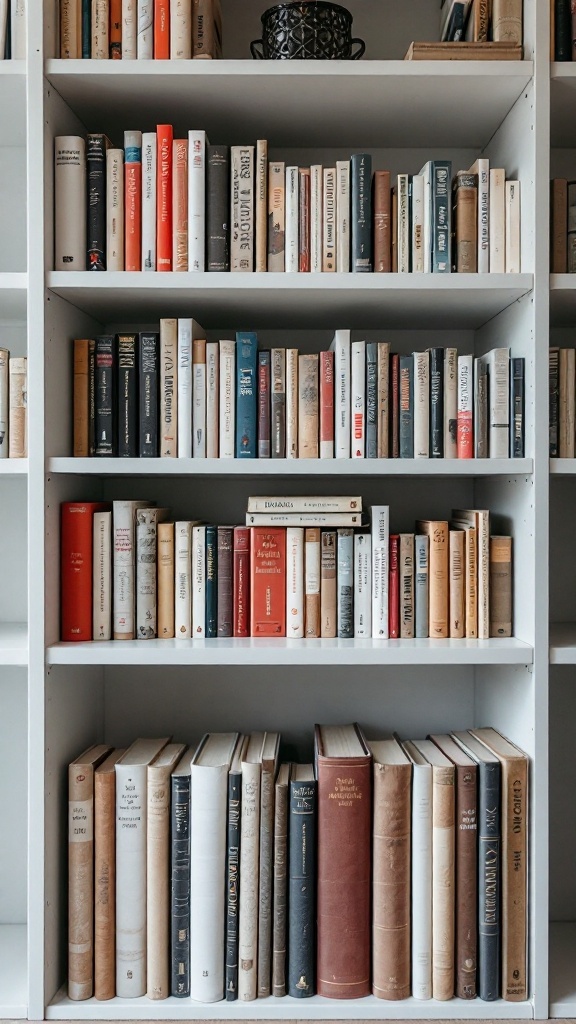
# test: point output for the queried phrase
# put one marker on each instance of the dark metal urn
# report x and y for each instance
(307, 30)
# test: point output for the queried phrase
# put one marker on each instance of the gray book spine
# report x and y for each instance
(371, 400)
(421, 585)
(345, 577)
(481, 408)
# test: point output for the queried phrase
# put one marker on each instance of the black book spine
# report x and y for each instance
(361, 220)
(563, 30)
(489, 881)
(436, 403)
(149, 391)
(554, 393)
(180, 885)
(218, 208)
(211, 582)
(96, 227)
(8, 44)
(406, 407)
(302, 889)
(104, 396)
(233, 883)
(91, 394)
(517, 409)
(127, 397)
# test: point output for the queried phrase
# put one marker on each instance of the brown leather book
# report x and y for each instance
(466, 866)
(464, 51)
(344, 871)
(391, 871)
(312, 581)
(559, 226)
(165, 577)
(437, 532)
(105, 877)
(279, 918)
(270, 753)
(261, 206)
(382, 226)
(328, 596)
(465, 213)
(500, 586)
(395, 406)
(81, 402)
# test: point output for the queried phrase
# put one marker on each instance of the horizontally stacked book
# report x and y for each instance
(219, 871)
(13, 406)
(475, 30)
(562, 226)
(170, 204)
(302, 567)
(562, 393)
(173, 394)
(140, 29)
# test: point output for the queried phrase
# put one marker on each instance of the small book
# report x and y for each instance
(268, 581)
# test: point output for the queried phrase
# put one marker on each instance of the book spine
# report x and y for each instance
(438, 562)
(295, 582)
(149, 187)
(199, 582)
(465, 431)
(566, 402)
(102, 577)
(329, 219)
(517, 408)
(500, 586)
(70, 199)
(249, 848)
(403, 245)
(513, 256)
(380, 563)
(123, 527)
(181, 29)
(358, 398)
(383, 400)
(96, 146)
(417, 223)
(105, 384)
(145, 30)
(276, 216)
(180, 205)
(105, 883)
(406, 573)
(553, 394)
(394, 588)
(489, 881)
(342, 216)
(422, 882)
(371, 400)
(443, 882)
(421, 586)
(497, 221)
(212, 396)
(292, 211)
(166, 580)
(291, 403)
(264, 447)
(183, 580)
(199, 398)
(345, 578)
(211, 582)
(97, 30)
(70, 30)
(196, 200)
(457, 572)
(246, 396)
(127, 396)
(562, 31)
(499, 391)
(406, 412)
(207, 29)
(507, 22)
(328, 596)
(316, 193)
(421, 405)
(224, 581)
(168, 389)
(164, 197)
(362, 585)
(261, 201)
(361, 215)
(132, 195)
(302, 889)
(266, 868)
(227, 403)
(81, 880)
(441, 216)
(5, 404)
(436, 403)
(242, 213)
(217, 209)
(466, 882)
(180, 885)
(131, 801)
(161, 29)
(278, 403)
(76, 546)
(115, 209)
(115, 30)
(382, 250)
(241, 591)
(149, 395)
(308, 406)
(326, 405)
(481, 408)
(146, 559)
(280, 891)
(312, 579)
(342, 385)
(483, 213)
(391, 889)
(304, 220)
(450, 403)
(184, 398)
(395, 406)
(80, 401)
(233, 819)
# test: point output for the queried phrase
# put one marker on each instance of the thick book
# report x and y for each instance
(124, 566)
(147, 520)
(180, 877)
(249, 852)
(127, 396)
(149, 394)
(391, 903)
(343, 769)
(441, 216)
(76, 547)
(246, 395)
(233, 869)
(268, 581)
(70, 213)
(105, 372)
(217, 209)
(361, 213)
(280, 882)
(438, 536)
(242, 208)
(270, 755)
(308, 406)
(500, 586)
(96, 147)
(312, 581)
(302, 882)
(480, 520)
(165, 137)
(168, 427)
(165, 571)
(421, 861)
(105, 876)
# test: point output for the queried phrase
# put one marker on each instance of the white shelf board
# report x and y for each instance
(563, 643)
(317, 1008)
(283, 651)
(13, 971)
(562, 300)
(13, 467)
(562, 982)
(388, 102)
(13, 102)
(13, 286)
(294, 300)
(562, 467)
(13, 649)
(254, 468)
(562, 102)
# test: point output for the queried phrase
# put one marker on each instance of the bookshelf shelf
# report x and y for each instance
(562, 299)
(13, 973)
(563, 643)
(13, 288)
(13, 101)
(13, 648)
(563, 467)
(345, 98)
(562, 101)
(562, 974)
(278, 468)
(290, 300)
(13, 467)
(232, 651)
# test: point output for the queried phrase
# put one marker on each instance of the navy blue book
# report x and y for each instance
(233, 873)
(302, 882)
(371, 400)
(407, 407)
(436, 403)
(180, 878)
(441, 216)
(361, 213)
(246, 395)
(86, 30)
(517, 408)
(211, 581)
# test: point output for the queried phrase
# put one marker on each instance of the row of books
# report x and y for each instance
(140, 29)
(563, 30)
(170, 204)
(13, 406)
(212, 872)
(562, 226)
(299, 568)
(480, 21)
(172, 394)
(562, 393)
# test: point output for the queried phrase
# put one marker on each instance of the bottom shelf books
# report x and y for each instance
(387, 867)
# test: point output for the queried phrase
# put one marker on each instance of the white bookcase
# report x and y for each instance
(57, 699)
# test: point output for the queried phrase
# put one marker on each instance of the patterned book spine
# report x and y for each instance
(180, 877)
(295, 582)
(328, 595)
(197, 200)
(104, 418)
(199, 398)
(406, 419)
(146, 572)
(450, 403)
(554, 398)
(406, 568)
(264, 404)
(246, 390)
(217, 208)
(124, 562)
(358, 398)
(276, 216)
(465, 431)
(441, 216)
(345, 577)
(180, 205)
(225, 580)
(291, 403)
(361, 217)
(164, 198)
(127, 393)
(403, 226)
(268, 581)
(181, 29)
(102, 577)
(145, 30)
(278, 403)
(96, 146)
(148, 395)
(233, 882)
(211, 582)
(132, 199)
(302, 889)
(308, 400)
(241, 582)
(242, 213)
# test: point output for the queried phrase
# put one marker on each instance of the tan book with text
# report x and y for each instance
(291, 403)
(18, 411)
(464, 51)
(500, 586)
(81, 401)
(165, 555)
(169, 388)
(507, 21)
(261, 194)
(280, 891)
(406, 569)
(105, 877)
(480, 519)
(383, 421)
(465, 207)
(457, 584)
(567, 402)
(270, 752)
(437, 533)
(308, 406)
(249, 869)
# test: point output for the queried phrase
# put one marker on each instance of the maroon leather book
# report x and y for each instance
(395, 405)
(241, 598)
(344, 862)
(304, 220)
(224, 612)
(264, 404)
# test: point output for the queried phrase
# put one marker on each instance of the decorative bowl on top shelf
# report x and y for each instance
(307, 30)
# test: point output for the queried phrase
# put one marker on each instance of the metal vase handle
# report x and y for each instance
(256, 54)
(361, 49)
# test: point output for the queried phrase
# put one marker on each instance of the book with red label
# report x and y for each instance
(268, 581)
(326, 405)
(394, 588)
(161, 29)
(241, 581)
(165, 141)
(76, 543)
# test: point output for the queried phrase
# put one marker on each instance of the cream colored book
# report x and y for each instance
(329, 219)
(69, 202)
(70, 29)
(165, 580)
(198, 582)
(507, 22)
(312, 568)
(276, 216)
(114, 208)
(291, 403)
(383, 413)
(497, 220)
(149, 185)
(249, 869)
(129, 29)
(480, 519)
(158, 906)
(105, 876)
(147, 520)
(199, 399)
(406, 568)
(18, 29)
(316, 218)
(183, 580)
(437, 533)
(308, 410)
(261, 206)
(450, 403)
(180, 29)
(242, 209)
(145, 30)
(102, 576)
(328, 595)
(197, 142)
(512, 219)
(100, 43)
(18, 411)
(342, 216)
(481, 168)
(227, 403)
(212, 396)
(291, 215)
(295, 582)
(457, 584)
(4, 402)
(124, 566)
(341, 347)
(168, 389)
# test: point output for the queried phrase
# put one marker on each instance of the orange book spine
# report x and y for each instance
(268, 581)
(133, 200)
(161, 29)
(180, 205)
(164, 198)
(115, 34)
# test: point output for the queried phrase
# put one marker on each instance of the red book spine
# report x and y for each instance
(133, 216)
(268, 581)
(241, 586)
(76, 541)
(161, 29)
(304, 220)
(115, 38)
(394, 588)
(164, 197)
(395, 405)
(326, 405)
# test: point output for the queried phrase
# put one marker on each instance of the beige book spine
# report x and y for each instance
(391, 881)
(4, 401)
(329, 219)
(81, 410)
(457, 584)
(180, 205)
(169, 389)
(328, 588)
(316, 193)
(437, 532)
(483, 560)
(207, 29)
(291, 403)
(249, 857)
(276, 216)
(114, 209)
(308, 407)
(567, 401)
(443, 909)
(471, 583)
(512, 218)
(312, 577)
(165, 580)
(212, 396)
(102, 576)
(383, 403)
(99, 49)
(70, 29)
(507, 22)
(18, 412)
(105, 878)
(406, 586)
(497, 220)
(261, 206)
(450, 403)
(129, 29)
(180, 29)
(500, 586)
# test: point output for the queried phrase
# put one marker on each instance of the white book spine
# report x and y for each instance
(421, 881)
(358, 374)
(403, 224)
(209, 799)
(185, 388)
(115, 209)
(145, 37)
(291, 214)
(316, 190)
(212, 389)
(129, 29)
(417, 223)
(483, 215)
(380, 559)
(512, 227)
(123, 527)
(69, 203)
(183, 580)
(102, 576)
(249, 889)
(426, 173)
(180, 29)
(342, 430)
(199, 410)
(227, 399)
(329, 220)
(18, 29)
(196, 200)
(100, 42)
(362, 585)
(242, 211)
(497, 221)
(295, 582)
(131, 828)
(198, 582)
(421, 405)
(291, 403)
(146, 556)
(343, 216)
(465, 388)
(149, 156)
(450, 403)
(4, 404)
(499, 402)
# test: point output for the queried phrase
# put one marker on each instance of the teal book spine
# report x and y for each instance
(246, 395)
